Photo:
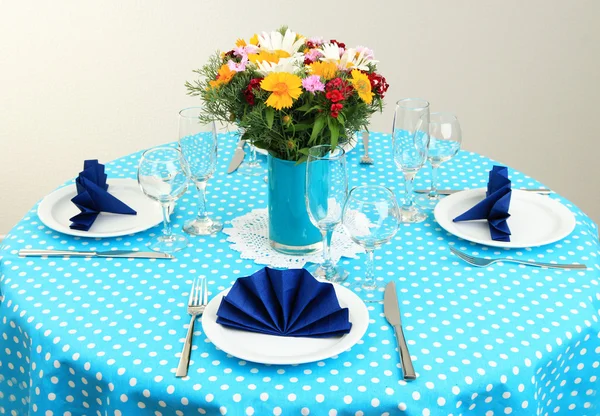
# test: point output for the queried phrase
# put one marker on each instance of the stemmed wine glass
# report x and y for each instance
(370, 216)
(410, 144)
(445, 138)
(163, 176)
(326, 190)
(253, 166)
(198, 144)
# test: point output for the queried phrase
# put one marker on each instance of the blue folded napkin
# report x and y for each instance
(93, 197)
(284, 302)
(494, 208)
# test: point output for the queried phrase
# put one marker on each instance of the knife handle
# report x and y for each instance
(408, 370)
(54, 253)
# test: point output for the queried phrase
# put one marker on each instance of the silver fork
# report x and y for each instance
(481, 262)
(196, 304)
(366, 159)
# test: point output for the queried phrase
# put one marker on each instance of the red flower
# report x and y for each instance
(339, 86)
(334, 84)
(249, 91)
(334, 96)
(335, 110)
(310, 45)
(378, 84)
(339, 44)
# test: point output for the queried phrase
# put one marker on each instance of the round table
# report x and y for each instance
(103, 336)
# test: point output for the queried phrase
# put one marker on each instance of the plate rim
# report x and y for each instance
(502, 244)
(44, 209)
(357, 335)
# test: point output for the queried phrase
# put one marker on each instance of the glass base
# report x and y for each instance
(334, 274)
(297, 250)
(252, 168)
(367, 291)
(169, 244)
(412, 215)
(427, 203)
(202, 226)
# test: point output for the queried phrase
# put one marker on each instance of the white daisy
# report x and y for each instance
(290, 65)
(275, 41)
(350, 58)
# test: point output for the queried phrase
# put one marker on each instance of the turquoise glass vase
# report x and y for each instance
(290, 228)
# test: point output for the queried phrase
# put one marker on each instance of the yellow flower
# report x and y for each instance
(325, 70)
(253, 41)
(264, 56)
(362, 85)
(223, 76)
(285, 88)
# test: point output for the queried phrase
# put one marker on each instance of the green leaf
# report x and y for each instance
(317, 127)
(335, 132)
(302, 160)
(304, 151)
(299, 127)
(270, 114)
(305, 107)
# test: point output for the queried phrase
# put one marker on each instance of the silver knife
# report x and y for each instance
(543, 191)
(112, 253)
(391, 310)
(238, 156)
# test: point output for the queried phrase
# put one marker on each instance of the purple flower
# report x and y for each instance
(238, 67)
(313, 84)
(368, 52)
(316, 41)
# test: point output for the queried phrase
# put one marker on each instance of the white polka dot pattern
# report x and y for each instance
(103, 336)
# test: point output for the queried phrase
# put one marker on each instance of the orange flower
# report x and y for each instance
(264, 56)
(285, 88)
(223, 76)
(325, 70)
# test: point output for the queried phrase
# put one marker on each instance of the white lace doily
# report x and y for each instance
(250, 236)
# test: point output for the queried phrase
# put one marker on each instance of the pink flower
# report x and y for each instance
(313, 84)
(313, 54)
(243, 51)
(238, 67)
(316, 41)
(368, 52)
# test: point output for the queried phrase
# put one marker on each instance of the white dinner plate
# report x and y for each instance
(56, 209)
(271, 349)
(347, 147)
(535, 220)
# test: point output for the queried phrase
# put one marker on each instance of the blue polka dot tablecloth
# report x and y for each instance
(103, 336)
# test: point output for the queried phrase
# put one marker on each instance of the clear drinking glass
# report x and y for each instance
(445, 138)
(370, 216)
(163, 176)
(410, 143)
(198, 144)
(253, 166)
(326, 191)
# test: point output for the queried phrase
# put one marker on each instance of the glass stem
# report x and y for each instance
(252, 160)
(166, 219)
(408, 188)
(370, 268)
(434, 173)
(327, 235)
(201, 187)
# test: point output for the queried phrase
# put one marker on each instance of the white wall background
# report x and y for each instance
(100, 79)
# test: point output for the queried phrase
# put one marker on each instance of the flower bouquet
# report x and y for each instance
(288, 93)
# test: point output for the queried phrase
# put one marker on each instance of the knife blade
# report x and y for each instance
(391, 310)
(543, 191)
(112, 253)
(238, 156)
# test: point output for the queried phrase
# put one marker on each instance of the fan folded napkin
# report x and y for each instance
(93, 197)
(284, 302)
(494, 208)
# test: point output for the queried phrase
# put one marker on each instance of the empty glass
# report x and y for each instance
(326, 190)
(162, 175)
(410, 144)
(370, 218)
(445, 138)
(198, 143)
(253, 166)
